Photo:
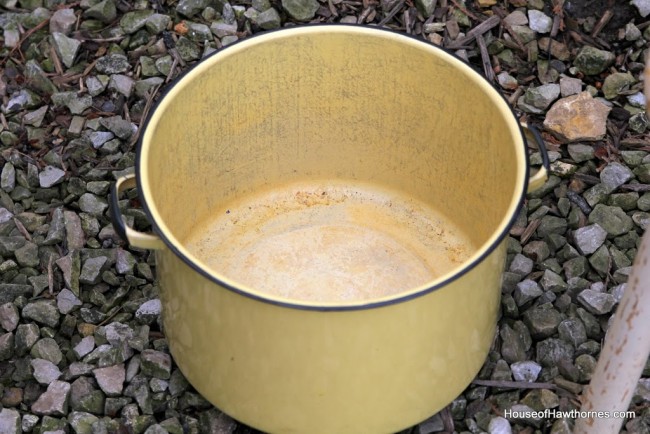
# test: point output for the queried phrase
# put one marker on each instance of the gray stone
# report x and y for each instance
(570, 86)
(525, 371)
(300, 10)
(214, 421)
(29, 422)
(221, 29)
(156, 23)
(91, 270)
(551, 281)
(96, 84)
(614, 175)
(75, 237)
(516, 18)
(643, 6)
(539, 21)
(121, 83)
(641, 219)
(63, 21)
(611, 219)
(149, 311)
(572, 330)
(426, 7)
(499, 425)
(542, 322)
(8, 177)
(82, 422)
(9, 317)
(36, 117)
(54, 401)
(521, 265)
(50, 176)
(67, 48)
(56, 232)
(551, 225)
(227, 40)
(589, 238)
(580, 153)
(67, 301)
(513, 348)
(144, 87)
(507, 81)
(526, 291)
(27, 255)
(26, 336)
(6, 215)
(111, 379)
(592, 61)
(45, 371)
(43, 312)
(156, 364)
(9, 421)
(84, 347)
(598, 303)
(112, 64)
(543, 96)
(117, 333)
(157, 429)
(104, 11)
(133, 21)
(98, 138)
(189, 8)
(550, 352)
(642, 172)
(91, 204)
(179, 384)
(187, 49)
(617, 82)
(7, 342)
(269, 19)
(639, 123)
(118, 126)
(73, 101)
(22, 99)
(48, 349)
(198, 32)
(70, 265)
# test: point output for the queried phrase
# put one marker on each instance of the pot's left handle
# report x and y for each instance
(541, 176)
(134, 238)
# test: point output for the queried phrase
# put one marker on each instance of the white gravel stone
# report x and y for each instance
(589, 238)
(525, 371)
(84, 347)
(9, 421)
(643, 6)
(539, 21)
(50, 176)
(499, 425)
(45, 371)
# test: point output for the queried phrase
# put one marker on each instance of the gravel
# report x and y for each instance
(82, 347)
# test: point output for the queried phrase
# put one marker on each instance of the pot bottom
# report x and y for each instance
(329, 242)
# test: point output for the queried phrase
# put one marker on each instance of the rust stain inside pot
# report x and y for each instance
(329, 242)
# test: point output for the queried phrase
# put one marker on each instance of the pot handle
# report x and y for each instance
(133, 237)
(541, 176)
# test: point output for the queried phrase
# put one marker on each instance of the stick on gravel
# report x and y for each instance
(626, 348)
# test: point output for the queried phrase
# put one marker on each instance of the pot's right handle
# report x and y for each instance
(539, 178)
(134, 238)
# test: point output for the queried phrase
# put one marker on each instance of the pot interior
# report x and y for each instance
(246, 161)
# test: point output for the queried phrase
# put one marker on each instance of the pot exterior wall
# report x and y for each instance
(287, 370)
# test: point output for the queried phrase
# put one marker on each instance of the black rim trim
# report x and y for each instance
(467, 268)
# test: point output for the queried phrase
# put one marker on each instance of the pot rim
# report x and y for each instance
(485, 250)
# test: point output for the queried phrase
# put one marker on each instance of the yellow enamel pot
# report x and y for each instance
(333, 105)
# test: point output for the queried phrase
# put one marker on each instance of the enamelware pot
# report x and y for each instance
(329, 110)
